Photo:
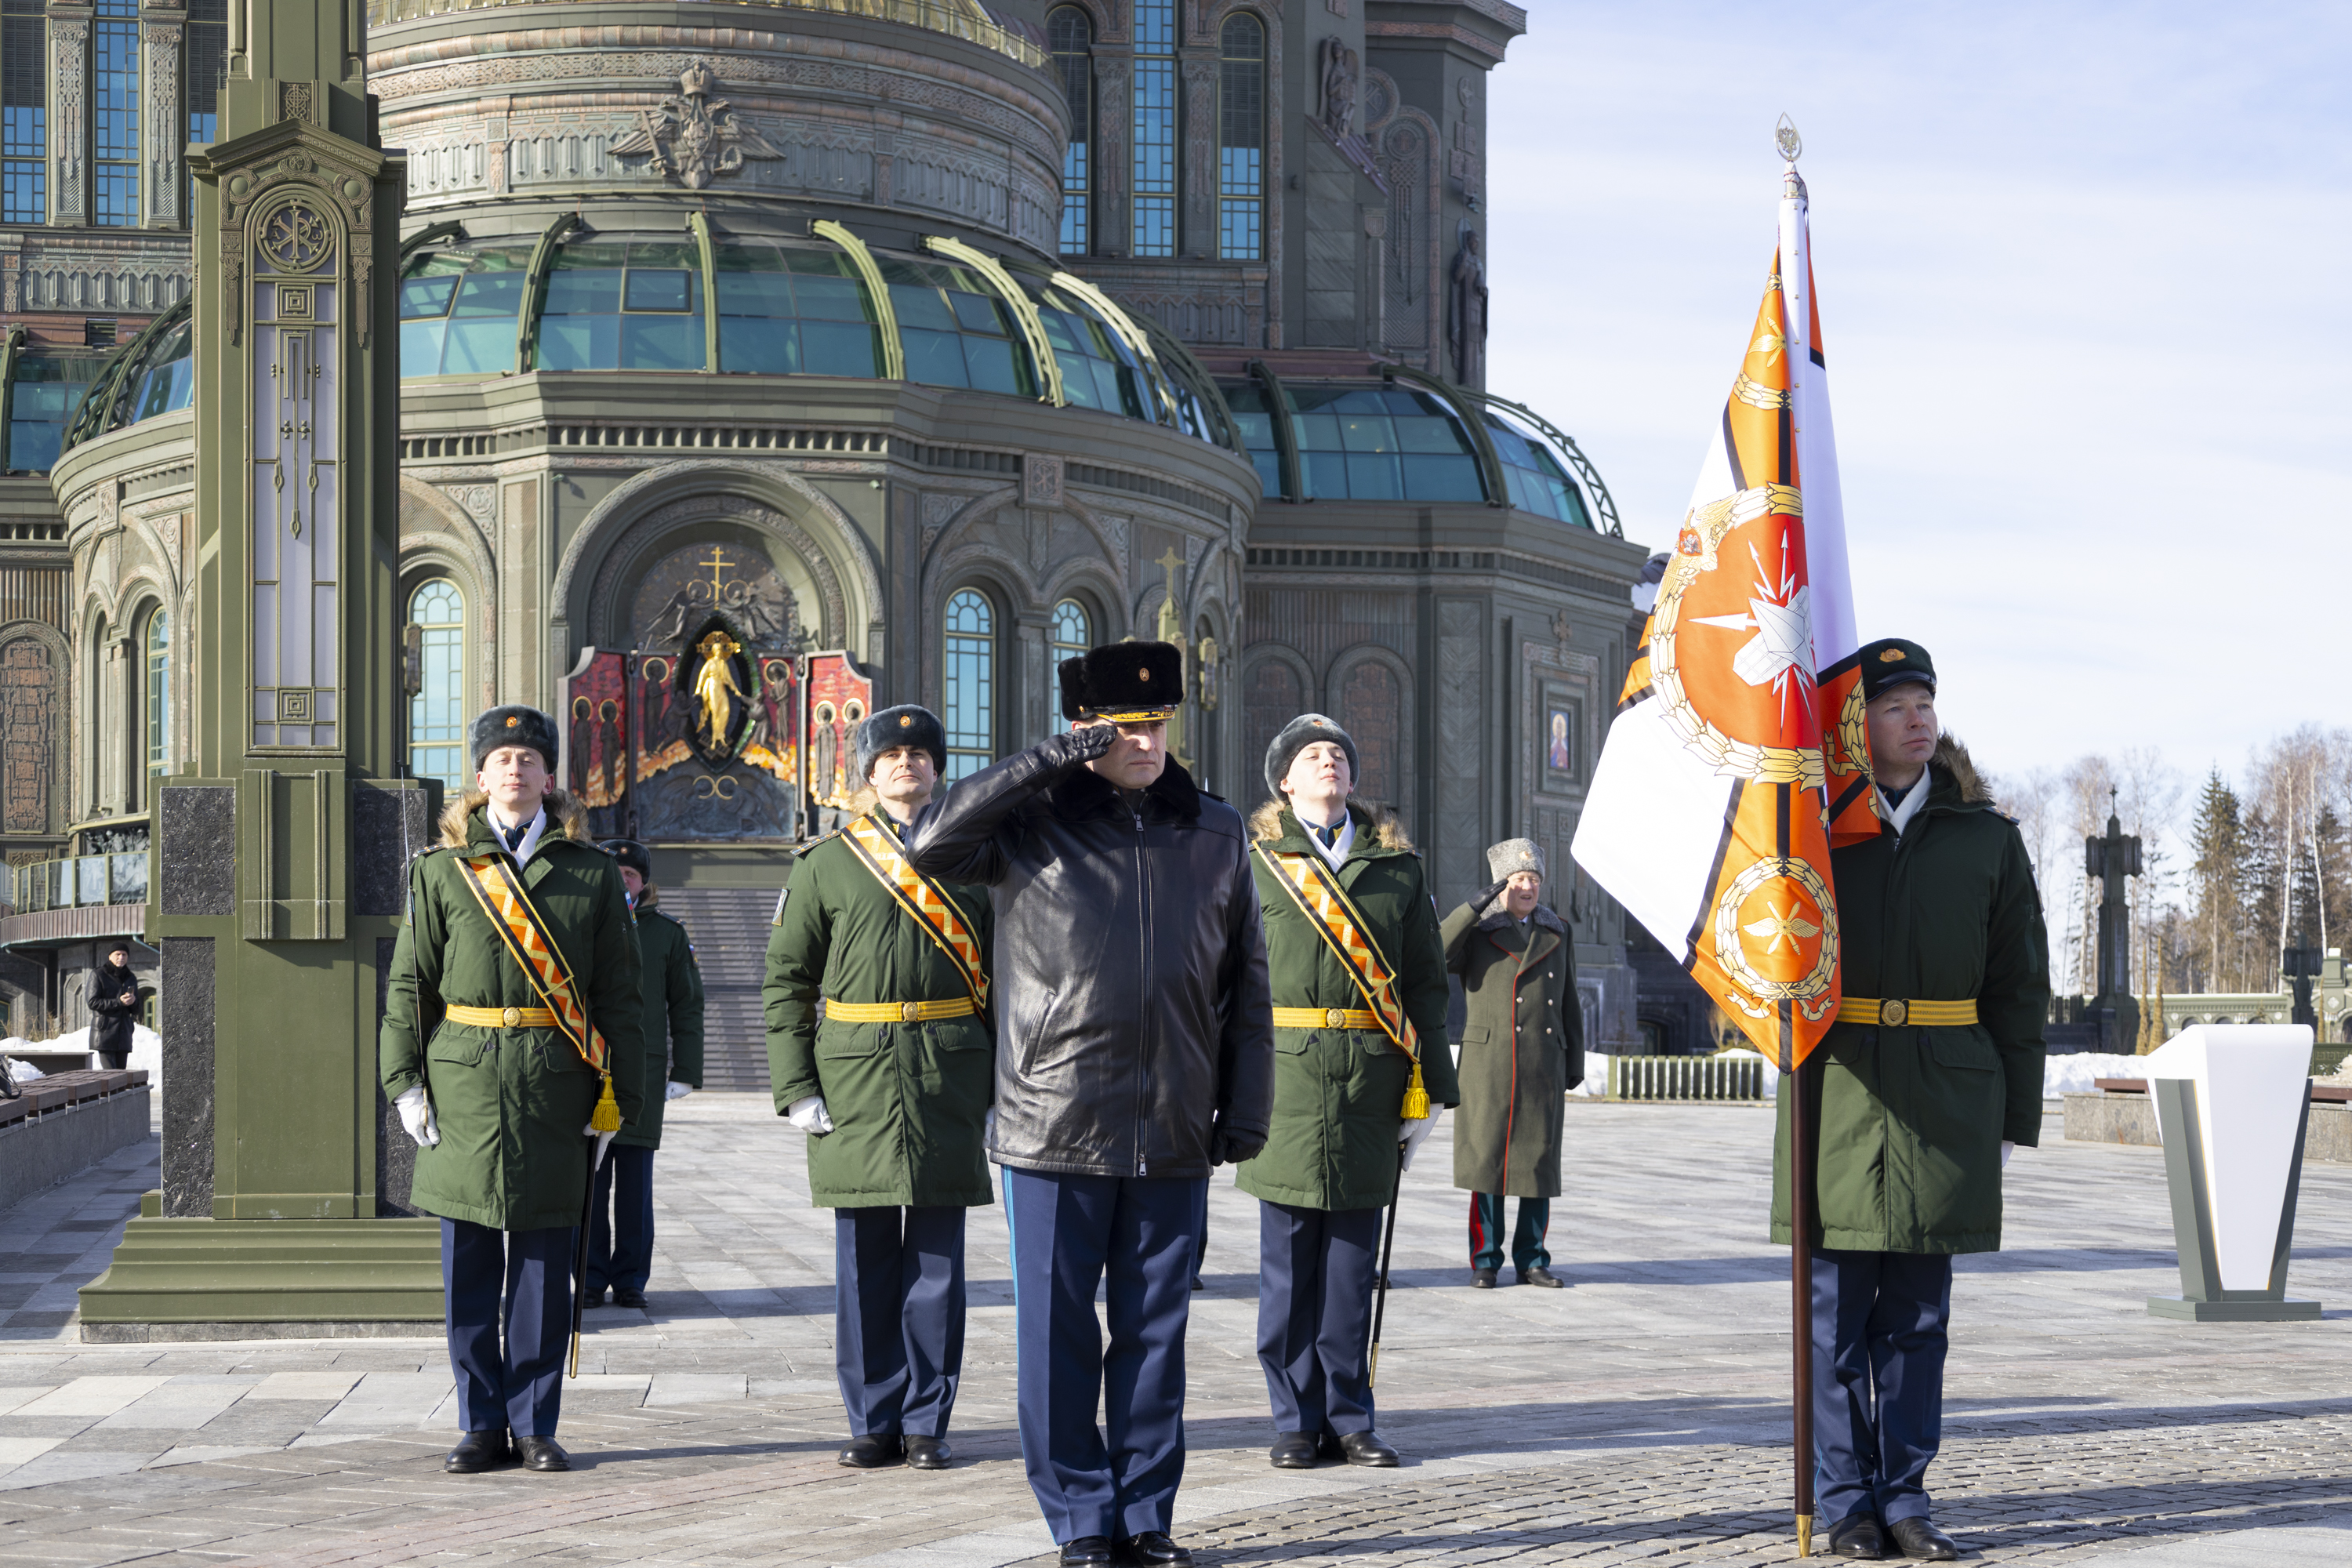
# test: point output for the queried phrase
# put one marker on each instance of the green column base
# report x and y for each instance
(2270, 1310)
(278, 1277)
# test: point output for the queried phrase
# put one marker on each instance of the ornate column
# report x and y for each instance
(1114, 75)
(166, 125)
(68, 114)
(1200, 175)
(280, 856)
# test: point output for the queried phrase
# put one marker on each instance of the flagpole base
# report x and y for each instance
(1804, 1535)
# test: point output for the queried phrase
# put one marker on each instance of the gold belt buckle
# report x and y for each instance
(512, 1018)
(1892, 1013)
(1336, 1018)
(910, 1012)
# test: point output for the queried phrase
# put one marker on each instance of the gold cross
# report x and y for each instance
(1173, 563)
(717, 563)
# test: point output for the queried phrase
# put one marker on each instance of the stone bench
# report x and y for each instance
(65, 1123)
(2118, 1111)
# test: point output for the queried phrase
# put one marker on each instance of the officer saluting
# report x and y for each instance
(892, 1088)
(1931, 1072)
(621, 1213)
(1134, 1052)
(1358, 984)
(512, 1046)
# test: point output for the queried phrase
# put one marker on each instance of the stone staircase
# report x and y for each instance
(729, 927)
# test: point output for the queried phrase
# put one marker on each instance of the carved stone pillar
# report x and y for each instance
(1113, 178)
(1200, 175)
(69, 115)
(166, 127)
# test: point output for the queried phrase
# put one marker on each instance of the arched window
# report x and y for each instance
(1071, 33)
(437, 712)
(1154, 179)
(1073, 629)
(159, 694)
(1241, 140)
(968, 667)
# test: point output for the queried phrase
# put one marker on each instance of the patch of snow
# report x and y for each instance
(2073, 1074)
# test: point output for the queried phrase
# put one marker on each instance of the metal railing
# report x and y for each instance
(960, 21)
(77, 882)
(1686, 1077)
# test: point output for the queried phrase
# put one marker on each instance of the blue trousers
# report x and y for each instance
(898, 1314)
(1117, 1479)
(1527, 1238)
(621, 1222)
(509, 1363)
(1315, 1269)
(1879, 1320)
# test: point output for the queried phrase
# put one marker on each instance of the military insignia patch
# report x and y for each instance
(1891, 656)
(1142, 675)
(906, 721)
(513, 721)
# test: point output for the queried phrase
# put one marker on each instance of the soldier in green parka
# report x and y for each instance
(621, 1213)
(1337, 1141)
(500, 1099)
(1522, 1051)
(1931, 1074)
(892, 1087)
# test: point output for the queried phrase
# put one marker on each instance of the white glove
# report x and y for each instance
(416, 1115)
(679, 1090)
(2007, 1149)
(1410, 1131)
(809, 1115)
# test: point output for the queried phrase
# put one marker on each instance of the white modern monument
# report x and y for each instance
(2232, 1101)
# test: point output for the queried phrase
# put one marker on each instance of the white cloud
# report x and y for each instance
(2080, 274)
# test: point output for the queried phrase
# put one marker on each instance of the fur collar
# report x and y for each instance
(1274, 821)
(1952, 761)
(1496, 917)
(1083, 792)
(566, 817)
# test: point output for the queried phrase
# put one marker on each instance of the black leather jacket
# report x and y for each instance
(1133, 1017)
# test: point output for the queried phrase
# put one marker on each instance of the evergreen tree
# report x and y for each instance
(2219, 843)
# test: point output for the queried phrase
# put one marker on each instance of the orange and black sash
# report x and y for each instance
(1341, 925)
(878, 848)
(499, 890)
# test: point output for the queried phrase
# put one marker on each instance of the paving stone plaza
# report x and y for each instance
(1639, 1415)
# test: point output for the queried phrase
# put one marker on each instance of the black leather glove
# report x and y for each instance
(1073, 748)
(1231, 1148)
(1486, 895)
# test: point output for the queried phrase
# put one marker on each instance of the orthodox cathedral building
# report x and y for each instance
(764, 363)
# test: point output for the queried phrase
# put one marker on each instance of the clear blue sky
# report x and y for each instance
(2084, 292)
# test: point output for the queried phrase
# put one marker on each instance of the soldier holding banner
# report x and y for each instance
(892, 1085)
(514, 1051)
(1358, 984)
(1931, 1073)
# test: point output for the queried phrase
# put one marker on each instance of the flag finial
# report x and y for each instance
(1786, 139)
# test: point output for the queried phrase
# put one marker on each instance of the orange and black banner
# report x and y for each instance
(878, 848)
(1341, 926)
(519, 923)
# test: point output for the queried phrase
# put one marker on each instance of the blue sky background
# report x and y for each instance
(2084, 283)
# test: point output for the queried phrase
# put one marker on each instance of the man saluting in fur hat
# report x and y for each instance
(511, 1035)
(891, 1086)
(1134, 1051)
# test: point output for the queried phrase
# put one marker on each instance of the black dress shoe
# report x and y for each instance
(541, 1454)
(1157, 1549)
(1919, 1538)
(1539, 1275)
(1087, 1552)
(927, 1453)
(593, 1297)
(1197, 1285)
(625, 1297)
(1294, 1451)
(873, 1451)
(479, 1451)
(1367, 1448)
(1858, 1535)
(1482, 1279)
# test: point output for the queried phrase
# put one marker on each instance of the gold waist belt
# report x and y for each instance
(899, 1012)
(503, 1017)
(1326, 1018)
(1917, 1014)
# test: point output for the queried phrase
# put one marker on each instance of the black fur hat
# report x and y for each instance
(513, 725)
(1297, 736)
(632, 854)
(1126, 682)
(905, 725)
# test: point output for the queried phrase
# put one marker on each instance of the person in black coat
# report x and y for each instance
(113, 1005)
